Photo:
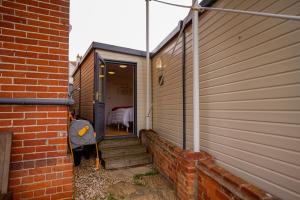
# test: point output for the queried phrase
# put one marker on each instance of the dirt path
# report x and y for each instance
(138, 183)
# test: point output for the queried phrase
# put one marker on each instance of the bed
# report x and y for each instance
(122, 115)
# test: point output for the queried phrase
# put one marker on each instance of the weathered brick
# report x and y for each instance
(26, 72)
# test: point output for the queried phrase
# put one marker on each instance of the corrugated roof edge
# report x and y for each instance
(204, 3)
(112, 48)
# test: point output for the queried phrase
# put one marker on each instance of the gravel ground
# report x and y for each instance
(91, 184)
(105, 184)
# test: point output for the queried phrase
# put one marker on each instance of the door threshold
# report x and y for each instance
(120, 137)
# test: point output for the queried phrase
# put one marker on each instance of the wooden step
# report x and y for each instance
(122, 151)
(111, 143)
(127, 161)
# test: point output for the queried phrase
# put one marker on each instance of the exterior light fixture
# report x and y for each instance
(101, 76)
(158, 63)
(111, 72)
(102, 66)
(123, 66)
(160, 70)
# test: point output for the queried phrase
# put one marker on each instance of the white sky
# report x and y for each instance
(121, 23)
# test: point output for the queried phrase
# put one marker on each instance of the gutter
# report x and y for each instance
(28, 101)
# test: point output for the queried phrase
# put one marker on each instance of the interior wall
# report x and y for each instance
(119, 89)
(141, 81)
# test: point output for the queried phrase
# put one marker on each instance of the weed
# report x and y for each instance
(138, 178)
(111, 197)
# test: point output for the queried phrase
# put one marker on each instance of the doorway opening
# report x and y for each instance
(120, 101)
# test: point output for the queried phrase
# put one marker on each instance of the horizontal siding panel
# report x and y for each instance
(287, 78)
(285, 41)
(167, 99)
(226, 30)
(260, 60)
(278, 154)
(250, 28)
(288, 130)
(246, 72)
(210, 19)
(277, 92)
(258, 105)
(256, 174)
(260, 116)
(285, 174)
(267, 139)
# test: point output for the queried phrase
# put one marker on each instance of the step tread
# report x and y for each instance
(122, 151)
(118, 143)
(130, 147)
(129, 157)
(127, 161)
(118, 140)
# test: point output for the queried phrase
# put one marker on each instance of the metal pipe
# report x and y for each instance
(148, 98)
(196, 98)
(183, 89)
(27, 101)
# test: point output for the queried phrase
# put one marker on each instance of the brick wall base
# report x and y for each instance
(196, 175)
(40, 167)
(34, 44)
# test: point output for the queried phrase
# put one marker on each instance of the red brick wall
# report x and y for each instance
(174, 163)
(34, 64)
(196, 175)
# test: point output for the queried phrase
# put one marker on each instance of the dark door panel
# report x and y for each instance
(99, 97)
(99, 109)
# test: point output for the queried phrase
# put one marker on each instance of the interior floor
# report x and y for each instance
(113, 131)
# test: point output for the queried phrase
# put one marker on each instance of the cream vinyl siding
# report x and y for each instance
(167, 99)
(141, 81)
(249, 94)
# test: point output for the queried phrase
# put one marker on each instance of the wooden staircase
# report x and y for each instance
(125, 152)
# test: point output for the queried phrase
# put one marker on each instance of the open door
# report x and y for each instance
(99, 97)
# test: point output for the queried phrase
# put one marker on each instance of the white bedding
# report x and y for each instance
(122, 116)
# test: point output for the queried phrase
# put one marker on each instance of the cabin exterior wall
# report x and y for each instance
(87, 89)
(249, 93)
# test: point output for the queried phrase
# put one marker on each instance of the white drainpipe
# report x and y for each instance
(196, 98)
(148, 95)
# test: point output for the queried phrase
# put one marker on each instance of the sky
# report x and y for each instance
(121, 23)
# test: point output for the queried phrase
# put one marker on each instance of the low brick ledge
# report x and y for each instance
(235, 188)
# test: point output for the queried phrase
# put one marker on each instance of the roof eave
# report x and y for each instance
(111, 48)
